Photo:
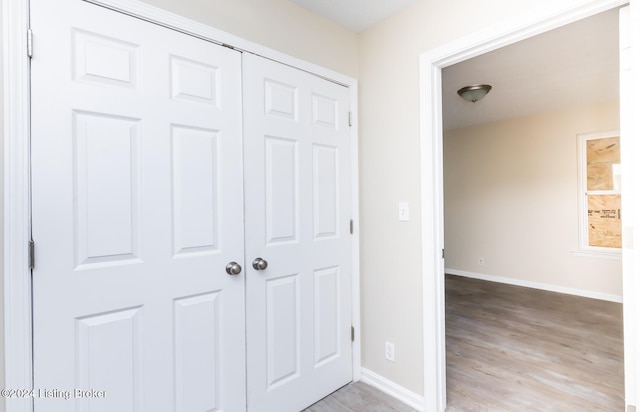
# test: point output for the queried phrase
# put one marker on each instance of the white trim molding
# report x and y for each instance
(629, 132)
(391, 388)
(613, 255)
(17, 231)
(538, 20)
(356, 346)
(536, 285)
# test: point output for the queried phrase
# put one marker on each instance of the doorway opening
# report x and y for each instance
(432, 63)
(511, 202)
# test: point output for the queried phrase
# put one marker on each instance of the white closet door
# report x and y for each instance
(137, 210)
(297, 203)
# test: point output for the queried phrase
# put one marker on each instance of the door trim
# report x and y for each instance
(17, 230)
(16, 214)
(537, 21)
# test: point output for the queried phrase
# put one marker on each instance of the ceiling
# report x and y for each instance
(355, 15)
(571, 66)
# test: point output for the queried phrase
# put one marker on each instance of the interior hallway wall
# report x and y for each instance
(389, 81)
(511, 197)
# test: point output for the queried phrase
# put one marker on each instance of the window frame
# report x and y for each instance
(584, 249)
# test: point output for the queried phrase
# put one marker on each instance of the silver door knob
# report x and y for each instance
(260, 264)
(233, 268)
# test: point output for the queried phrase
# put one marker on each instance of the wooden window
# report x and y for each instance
(599, 174)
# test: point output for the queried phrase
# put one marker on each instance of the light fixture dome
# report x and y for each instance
(474, 92)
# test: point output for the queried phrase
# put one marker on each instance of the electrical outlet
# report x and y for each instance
(389, 351)
(403, 212)
(481, 261)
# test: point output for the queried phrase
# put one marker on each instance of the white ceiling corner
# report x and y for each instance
(355, 15)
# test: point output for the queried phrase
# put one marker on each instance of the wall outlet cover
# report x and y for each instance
(389, 351)
(403, 212)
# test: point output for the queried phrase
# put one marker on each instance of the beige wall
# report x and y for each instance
(511, 197)
(390, 169)
(278, 24)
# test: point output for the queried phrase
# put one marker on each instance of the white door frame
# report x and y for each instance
(17, 230)
(432, 62)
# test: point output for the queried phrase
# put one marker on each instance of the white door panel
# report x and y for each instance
(297, 200)
(137, 208)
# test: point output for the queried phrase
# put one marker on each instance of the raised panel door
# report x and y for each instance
(137, 209)
(297, 205)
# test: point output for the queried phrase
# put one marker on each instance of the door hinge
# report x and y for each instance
(351, 226)
(353, 334)
(442, 253)
(29, 43)
(32, 254)
(350, 119)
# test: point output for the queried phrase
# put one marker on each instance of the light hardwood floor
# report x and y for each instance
(511, 348)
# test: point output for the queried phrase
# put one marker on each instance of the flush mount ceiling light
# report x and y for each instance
(475, 92)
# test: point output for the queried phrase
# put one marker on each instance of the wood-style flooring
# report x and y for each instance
(359, 397)
(511, 348)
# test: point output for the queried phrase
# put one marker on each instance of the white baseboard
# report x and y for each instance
(536, 285)
(391, 388)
